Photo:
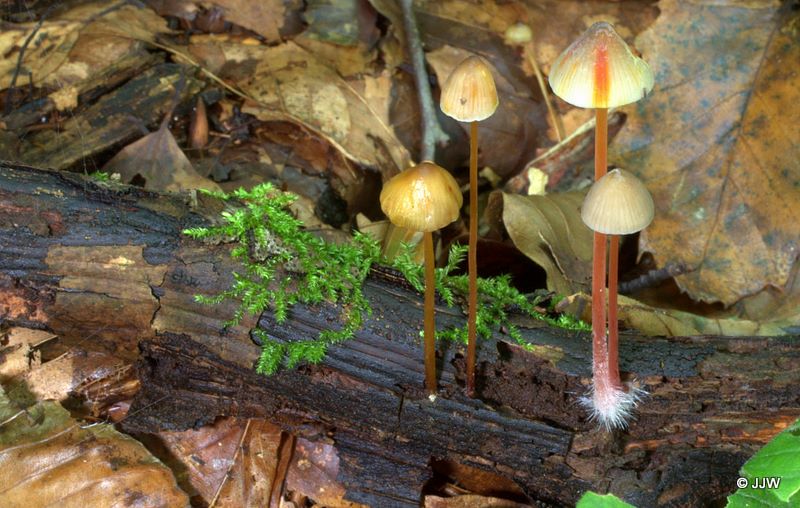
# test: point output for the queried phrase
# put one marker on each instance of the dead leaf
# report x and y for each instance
(716, 142)
(264, 17)
(669, 322)
(60, 377)
(254, 475)
(19, 350)
(313, 473)
(47, 459)
(548, 230)
(471, 501)
(339, 21)
(288, 83)
(77, 45)
(159, 161)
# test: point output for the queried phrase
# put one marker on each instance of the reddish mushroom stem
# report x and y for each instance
(613, 334)
(430, 325)
(599, 345)
(472, 259)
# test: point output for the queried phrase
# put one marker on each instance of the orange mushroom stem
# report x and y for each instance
(469, 95)
(424, 198)
(600, 71)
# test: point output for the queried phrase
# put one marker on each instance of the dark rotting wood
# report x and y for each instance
(107, 264)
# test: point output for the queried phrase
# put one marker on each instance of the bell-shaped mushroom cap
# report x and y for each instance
(618, 204)
(518, 34)
(469, 94)
(599, 70)
(423, 198)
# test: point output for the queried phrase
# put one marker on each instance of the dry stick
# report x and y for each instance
(432, 133)
(599, 344)
(472, 258)
(557, 123)
(613, 329)
(430, 325)
(13, 85)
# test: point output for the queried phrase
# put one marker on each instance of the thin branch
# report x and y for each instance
(12, 87)
(432, 133)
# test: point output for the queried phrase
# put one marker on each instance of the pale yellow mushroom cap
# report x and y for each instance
(423, 198)
(517, 34)
(618, 204)
(599, 70)
(469, 94)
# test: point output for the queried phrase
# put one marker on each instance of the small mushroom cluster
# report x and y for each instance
(597, 71)
(426, 198)
(600, 71)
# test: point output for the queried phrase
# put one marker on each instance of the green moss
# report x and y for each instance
(99, 176)
(269, 239)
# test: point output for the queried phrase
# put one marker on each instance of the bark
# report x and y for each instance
(107, 265)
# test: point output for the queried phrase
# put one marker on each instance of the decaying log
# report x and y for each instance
(107, 265)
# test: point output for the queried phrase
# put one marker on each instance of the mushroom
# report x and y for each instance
(600, 71)
(424, 198)
(469, 95)
(617, 204)
(520, 34)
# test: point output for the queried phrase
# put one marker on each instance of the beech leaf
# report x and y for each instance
(716, 142)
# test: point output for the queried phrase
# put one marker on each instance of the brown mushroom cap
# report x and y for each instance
(469, 94)
(599, 70)
(618, 204)
(423, 198)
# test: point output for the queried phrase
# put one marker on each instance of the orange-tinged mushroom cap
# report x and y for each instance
(423, 198)
(469, 94)
(599, 70)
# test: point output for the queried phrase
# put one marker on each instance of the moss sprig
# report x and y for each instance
(268, 239)
(496, 296)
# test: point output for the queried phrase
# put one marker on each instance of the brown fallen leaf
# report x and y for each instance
(313, 472)
(288, 83)
(19, 350)
(74, 47)
(716, 143)
(264, 17)
(217, 464)
(57, 379)
(549, 230)
(471, 501)
(669, 322)
(48, 459)
(159, 161)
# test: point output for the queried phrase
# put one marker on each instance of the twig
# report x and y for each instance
(653, 277)
(12, 87)
(529, 51)
(432, 133)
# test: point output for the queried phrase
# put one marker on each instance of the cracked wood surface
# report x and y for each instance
(106, 265)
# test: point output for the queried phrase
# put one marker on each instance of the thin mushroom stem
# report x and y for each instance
(599, 344)
(613, 333)
(556, 119)
(472, 259)
(430, 325)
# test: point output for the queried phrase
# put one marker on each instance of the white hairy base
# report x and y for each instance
(610, 406)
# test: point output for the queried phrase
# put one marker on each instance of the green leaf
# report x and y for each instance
(776, 460)
(594, 500)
